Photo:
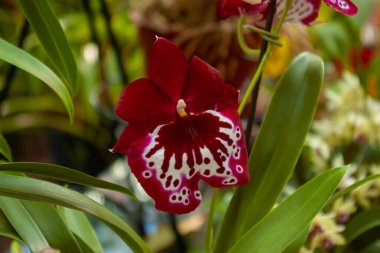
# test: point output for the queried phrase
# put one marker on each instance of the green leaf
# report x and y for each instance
(63, 174)
(22, 104)
(82, 228)
(39, 225)
(48, 30)
(334, 40)
(277, 148)
(38, 190)
(372, 248)
(30, 64)
(297, 244)
(361, 223)
(6, 228)
(84, 246)
(4, 149)
(17, 214)
(281, 226)
(349, 188)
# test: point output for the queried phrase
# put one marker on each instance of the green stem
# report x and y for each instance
(210, 220)
(271, 40)
(240, 35)
(255, 89)
(288, 3)
(254, 81)
(262, 63)
(262, 31)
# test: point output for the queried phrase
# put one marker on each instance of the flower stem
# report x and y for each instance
(256, 80)
(264, 46)
(210, 221)
(262, 31)
(253, 82)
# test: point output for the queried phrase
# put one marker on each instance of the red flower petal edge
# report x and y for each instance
(183, 127)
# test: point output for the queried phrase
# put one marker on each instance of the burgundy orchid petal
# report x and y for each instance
(130, 134)
(170, 162)
(167, 67)
(343, 6)
(205, 89)
(236, 158)
(228, 8)
(301, 11)
(183, 127)
(143, 102)
(304, 11)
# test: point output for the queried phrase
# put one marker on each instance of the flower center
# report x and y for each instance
(181, 105)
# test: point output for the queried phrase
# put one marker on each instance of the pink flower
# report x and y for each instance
(303, 11)
(343, 6)
(183, 127)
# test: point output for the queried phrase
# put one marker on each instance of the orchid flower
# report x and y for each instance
(183, 127)
(303, 11)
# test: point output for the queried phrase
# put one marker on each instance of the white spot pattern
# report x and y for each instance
(208, 168)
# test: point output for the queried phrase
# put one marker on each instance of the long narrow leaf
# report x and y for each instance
(39, 224)
(51, 225)
(4, 149)
(297, 244)
(30, 64)
(45, 24)
(24, 224)
(280, 227)
(361, 223)
(6, 228)
(372, 248)
(63, 174)
(81, 227)
(349, 188)
(37, 190)
(277, 148)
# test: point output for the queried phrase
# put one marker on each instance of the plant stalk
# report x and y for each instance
(255, 95)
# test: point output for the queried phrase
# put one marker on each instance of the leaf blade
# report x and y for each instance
(64, 174)
(18, 216)
(37, 190)
(33, 66)
(52, 37)
(6, 228)
(82, 228)
(291, 216)
(349, 188)
(277, 147)
(361, 223)
(5, 150)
